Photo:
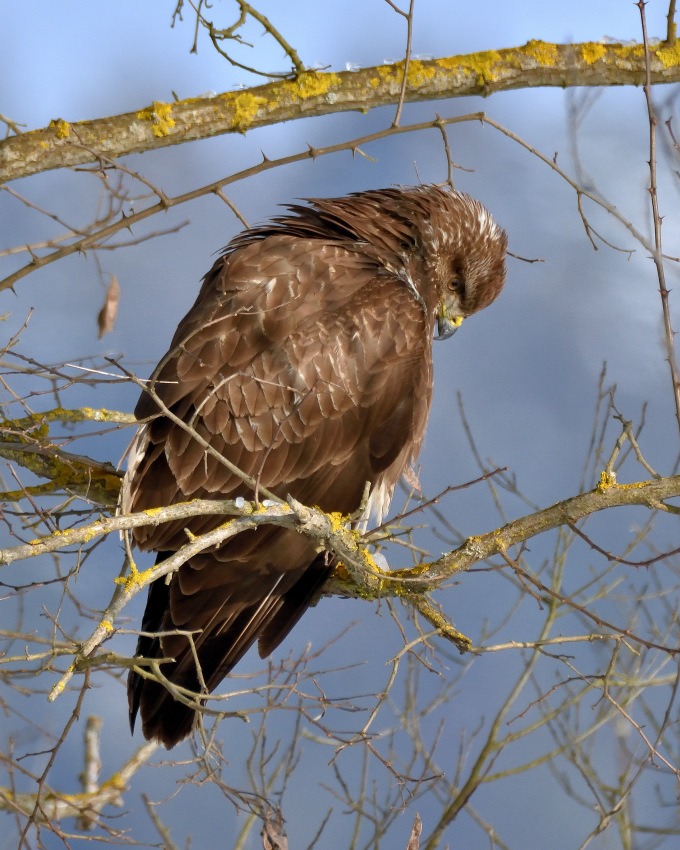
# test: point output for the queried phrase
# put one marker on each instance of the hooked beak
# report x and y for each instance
(447, 326)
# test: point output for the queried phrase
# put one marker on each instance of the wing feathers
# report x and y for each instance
(307, 366)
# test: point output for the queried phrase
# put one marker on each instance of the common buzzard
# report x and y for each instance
(306, 361)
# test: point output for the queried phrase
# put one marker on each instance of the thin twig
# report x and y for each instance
(407, 57)
(653, 193)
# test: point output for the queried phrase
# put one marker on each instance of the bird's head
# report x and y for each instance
(463, 250)
(443, 244)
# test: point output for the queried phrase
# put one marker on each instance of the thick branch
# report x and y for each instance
(53, 806)
(608, 494)
(331, 532)
(357, 575)
(310, 94)
(96, 481)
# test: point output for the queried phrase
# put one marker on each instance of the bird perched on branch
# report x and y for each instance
(306, 362)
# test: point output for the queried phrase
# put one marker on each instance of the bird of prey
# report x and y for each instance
(306, 361)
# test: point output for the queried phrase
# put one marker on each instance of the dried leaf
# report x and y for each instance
(410, 476)
(107, 315)
(273, 833)
(414, 840)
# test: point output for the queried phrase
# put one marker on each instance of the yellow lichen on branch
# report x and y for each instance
(591, 51)
(61, 414)
(26, 441)
(61, 128)
(668, 55)
(538, 63)
(134, 579)
(542, 52)
(244, 110)
(74, 474)
(159, 115)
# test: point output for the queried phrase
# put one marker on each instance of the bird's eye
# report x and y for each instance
(455, 284)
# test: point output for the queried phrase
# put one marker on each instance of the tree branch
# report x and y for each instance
(96, 481)
(358, 575)
(537, 63)
(49, 805)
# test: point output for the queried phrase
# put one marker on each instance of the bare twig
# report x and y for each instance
(657, 254)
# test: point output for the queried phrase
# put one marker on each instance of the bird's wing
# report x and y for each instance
(310, 371)
(300, 365)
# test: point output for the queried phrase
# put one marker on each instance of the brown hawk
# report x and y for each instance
(306, 361)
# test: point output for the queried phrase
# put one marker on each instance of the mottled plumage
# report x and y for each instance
(306, 361)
